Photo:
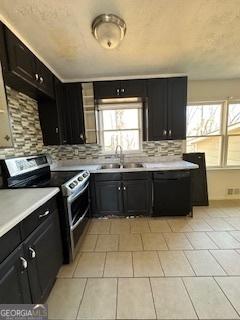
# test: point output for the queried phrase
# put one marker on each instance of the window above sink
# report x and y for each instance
(120, 124)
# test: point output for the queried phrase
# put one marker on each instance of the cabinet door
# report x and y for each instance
(63, 114)
(49, 120)
(14, 285)
(108, 197)
(74, 105)
(157, 109)
(177, 101)
(136, 197)
(3, 55)
(45, 78)
(44, 251)
(107, 89)
(21, 60)
(133, 88)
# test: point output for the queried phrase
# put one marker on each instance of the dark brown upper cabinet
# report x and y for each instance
(119, 89)
(3, 54)
(45, 78)
(24, 65)
(62, 120)
(167, 99)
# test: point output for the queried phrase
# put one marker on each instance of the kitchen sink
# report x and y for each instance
(111, 166)
(133, 165)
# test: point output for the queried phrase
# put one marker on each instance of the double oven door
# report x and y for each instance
(78, 213)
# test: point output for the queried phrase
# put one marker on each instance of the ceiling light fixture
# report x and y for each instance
(108, 30)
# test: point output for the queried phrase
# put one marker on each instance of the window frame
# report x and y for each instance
(139, 129)
(228, 102)
(223, 131)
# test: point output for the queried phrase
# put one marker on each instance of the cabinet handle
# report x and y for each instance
(32, 253)
(124, 188)
(119, 188)
(118, 92)
(41, 80)
(170, 133)
(57, 130)
(122, 90)
(24, 263)
(164, 132)
(36, 76)
(81, 136)
(46, 213)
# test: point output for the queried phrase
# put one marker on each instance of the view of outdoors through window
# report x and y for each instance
(206, 133)
(121, 126)
(233, 131)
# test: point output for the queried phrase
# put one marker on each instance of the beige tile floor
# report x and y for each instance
(155, 268)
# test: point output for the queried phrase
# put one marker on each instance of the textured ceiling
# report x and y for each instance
(200, 38)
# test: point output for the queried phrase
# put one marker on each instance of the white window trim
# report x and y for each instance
(117, 107)
(223, 132)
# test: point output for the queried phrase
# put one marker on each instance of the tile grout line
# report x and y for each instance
(234, 237)
(213, 239)
(189, 297)
(80, 254)
(95, 247)
(149, 279)
(184, 253)
(142, 242)
(132, 264)
(104, 265)
(161, 264)
(218, 261)
(81, 300)
(238, 314)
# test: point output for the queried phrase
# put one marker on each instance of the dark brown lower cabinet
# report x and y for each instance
(108, 198)
(28, 273)
(128, 195)
(136, 197)
(43, 248)
(14, 284)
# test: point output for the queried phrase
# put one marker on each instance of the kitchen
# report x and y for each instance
(120, 178)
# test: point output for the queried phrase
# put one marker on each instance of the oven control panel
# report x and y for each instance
(76, 183)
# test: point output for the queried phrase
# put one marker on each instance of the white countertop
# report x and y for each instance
(158, 166)
(15, 205)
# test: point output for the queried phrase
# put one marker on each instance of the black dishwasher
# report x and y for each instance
(172, 193)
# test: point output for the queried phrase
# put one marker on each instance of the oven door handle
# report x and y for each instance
(72, 198)
(80, 219)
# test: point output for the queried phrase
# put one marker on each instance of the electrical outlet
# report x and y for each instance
(233, 191)
(76, 152)
(236, 191)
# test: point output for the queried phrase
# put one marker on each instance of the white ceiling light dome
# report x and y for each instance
(108, 30)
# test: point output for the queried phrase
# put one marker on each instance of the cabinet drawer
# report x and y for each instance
(9, 241)
(135, 175)
(108, 176)
(29, 224)
(168, 175)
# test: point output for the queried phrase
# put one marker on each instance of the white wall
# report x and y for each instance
(214, 90)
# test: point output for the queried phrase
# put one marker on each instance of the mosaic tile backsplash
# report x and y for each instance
(27, 137)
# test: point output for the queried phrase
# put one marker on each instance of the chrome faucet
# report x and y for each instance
(120, 155)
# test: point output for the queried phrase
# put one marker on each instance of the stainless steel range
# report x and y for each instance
(74, 202)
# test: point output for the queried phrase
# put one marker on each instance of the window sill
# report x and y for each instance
(222, 168)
